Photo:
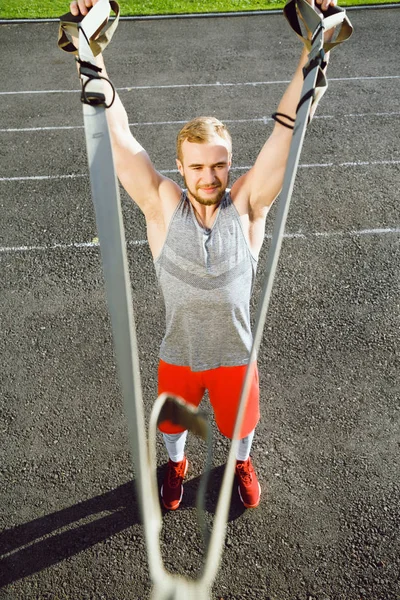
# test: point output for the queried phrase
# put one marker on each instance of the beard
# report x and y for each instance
(215, 199)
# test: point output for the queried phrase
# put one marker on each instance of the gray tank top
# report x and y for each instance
(206, 277)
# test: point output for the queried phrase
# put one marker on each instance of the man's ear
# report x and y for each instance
(180, 166)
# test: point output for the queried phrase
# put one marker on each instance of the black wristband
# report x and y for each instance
(276, 118)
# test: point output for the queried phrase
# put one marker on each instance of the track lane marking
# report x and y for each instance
(132, 243)
(263, 119)
(241, 168)
(199, 85)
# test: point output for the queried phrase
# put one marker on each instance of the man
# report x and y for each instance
(205, 241)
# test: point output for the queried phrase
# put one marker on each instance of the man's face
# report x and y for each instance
(205, 169)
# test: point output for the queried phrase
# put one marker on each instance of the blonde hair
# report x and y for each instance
(200, 131)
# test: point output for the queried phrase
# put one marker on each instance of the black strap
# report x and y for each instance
(318, 60)
(307, 95)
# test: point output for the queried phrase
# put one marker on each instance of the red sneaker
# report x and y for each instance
(249, 488)
(172, 488)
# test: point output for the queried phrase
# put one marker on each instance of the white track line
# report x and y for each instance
(242, 168)
(298, 235)
(197, 85)
(73, 245)
(44, 177)
(265, 120)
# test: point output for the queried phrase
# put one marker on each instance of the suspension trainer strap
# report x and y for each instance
(299, 10)
(105, 195)
(175, 409)
(97, 28)
(313, 76)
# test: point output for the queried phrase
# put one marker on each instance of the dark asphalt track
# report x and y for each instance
(327, 448)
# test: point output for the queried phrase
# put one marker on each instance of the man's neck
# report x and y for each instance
(205, 214)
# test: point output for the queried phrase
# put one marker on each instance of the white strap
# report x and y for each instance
(106, 200)
(302, 118)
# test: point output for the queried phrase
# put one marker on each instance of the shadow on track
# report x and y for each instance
(27, 552)
(42, 553)
(191, 487)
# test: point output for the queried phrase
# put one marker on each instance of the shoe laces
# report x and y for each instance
(244, 470)
(176, 474)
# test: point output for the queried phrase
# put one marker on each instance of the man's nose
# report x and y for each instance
(209, 174)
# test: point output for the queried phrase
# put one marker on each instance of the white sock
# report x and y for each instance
(245, 443)
(175, 445)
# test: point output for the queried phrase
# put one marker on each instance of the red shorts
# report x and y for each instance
(224, 386)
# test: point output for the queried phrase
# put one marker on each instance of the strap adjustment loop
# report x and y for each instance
(89, 72)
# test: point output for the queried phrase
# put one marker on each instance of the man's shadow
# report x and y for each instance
(39, 544)
(24, 551)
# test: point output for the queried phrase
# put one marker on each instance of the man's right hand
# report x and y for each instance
(81, 7)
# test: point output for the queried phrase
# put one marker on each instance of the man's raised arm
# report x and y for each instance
(133, 165)
(263, 182)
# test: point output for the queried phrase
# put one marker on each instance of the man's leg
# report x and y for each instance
(249, 488)
(244, 449)
(175, 445)
(179, 381)
(225, 386)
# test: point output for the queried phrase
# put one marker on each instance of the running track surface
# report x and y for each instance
(327, 447)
